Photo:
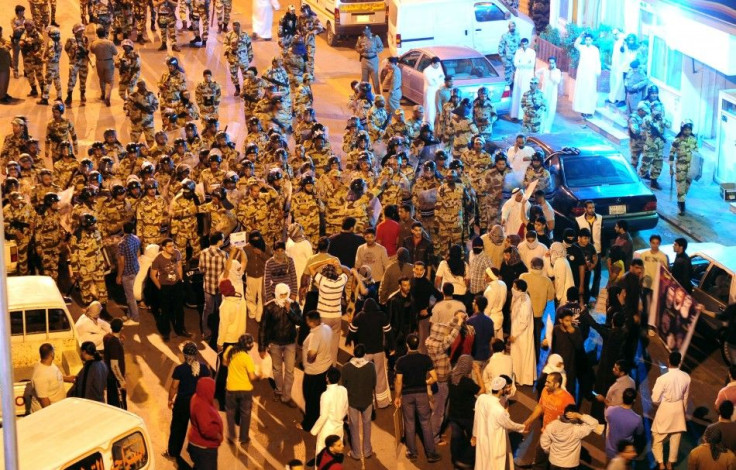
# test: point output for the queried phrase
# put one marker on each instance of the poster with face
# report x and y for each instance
(675, 310)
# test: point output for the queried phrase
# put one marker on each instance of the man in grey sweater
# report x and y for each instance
(105, 52)
(359, 378)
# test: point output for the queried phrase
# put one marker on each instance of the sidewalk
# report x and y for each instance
(708, 216)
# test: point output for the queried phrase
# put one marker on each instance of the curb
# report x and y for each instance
(676, 222)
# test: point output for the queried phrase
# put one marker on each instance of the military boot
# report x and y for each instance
(43, 101)
(237, 90)
(196, 42)
(162, 47)
(153, 25)
(68, 100)
(34, 91)
(82, 98)
(224, 27)
(655, 185)
(681, 206)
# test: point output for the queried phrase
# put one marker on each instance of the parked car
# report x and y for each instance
(713, 286)
(470, 69)
(469, 23)
(584, 167)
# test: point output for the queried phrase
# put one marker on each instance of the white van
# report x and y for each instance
(79, 434)
(38, 314)
(470, 23)
(348, 18)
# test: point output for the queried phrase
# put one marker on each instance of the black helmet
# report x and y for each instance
(172, 61)
(150, 184)
(440, 155)
(109, 132)
(86, 162)
(50, 198)
(147, 168)
(231, 177)
(132, 148)
(652, 89)
(215, 157)
(45, 171)
(179, 142)
(222, 134)
(430, 166)
(134, 184)
(106, 162)
(86, 194)
(334, 160)
(98, 145)
(188, 185)
(95, 176)
(220, 193)
(166, 162)
(58, 106)
(253, 121)
(251, 148)
(455, 164)
(357, 185)
(249, 164)
(12, 163)
(281, 154)
(274, 174)
(183, 168)
(10, 181)
(87, 220)
(364, 157)
(190, 126)
(117, 190)
(363, 135)
(306, 179)
(212, 121)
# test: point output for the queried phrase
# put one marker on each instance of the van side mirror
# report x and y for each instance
(67, 300)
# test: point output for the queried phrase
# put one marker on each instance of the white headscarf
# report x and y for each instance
(279, 291)
(552, 366)
(556, 251)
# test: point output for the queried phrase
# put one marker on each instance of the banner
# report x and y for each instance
(675, 312)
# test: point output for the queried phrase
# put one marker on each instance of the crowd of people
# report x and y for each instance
(402, 232)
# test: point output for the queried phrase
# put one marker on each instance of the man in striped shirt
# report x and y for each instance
(329, 305)
(212, 264)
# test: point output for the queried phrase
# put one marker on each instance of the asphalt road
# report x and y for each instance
(150, 361)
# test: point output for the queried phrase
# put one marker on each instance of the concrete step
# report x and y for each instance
(608, 129)
(616, 116)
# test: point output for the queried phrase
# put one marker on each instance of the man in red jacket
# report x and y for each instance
(205, 433)
(331, 457)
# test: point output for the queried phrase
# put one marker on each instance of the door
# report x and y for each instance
(726, 165)
(411, 81)
(490, 22)
(713, 291)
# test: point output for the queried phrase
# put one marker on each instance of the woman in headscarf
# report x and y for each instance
(239, 387)
(511, 268)
(277, 336)
(298, 249)
(205, 433)
(463, 390)
(493, 245)
(91, 381)
(711, 454)
(559, 270)
(183, 385)
(554, 364)
(235, 268)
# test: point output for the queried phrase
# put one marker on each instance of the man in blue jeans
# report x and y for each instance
(414, 372)
(128, 267)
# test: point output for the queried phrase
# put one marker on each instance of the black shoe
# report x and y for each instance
(196, 42)
(681, 206)
(53, 23)
(162, 47)
(33, 92)
(410, 456)
(237, 90)
(43, 101)
(175, 48)
(166, 338)
(184, 333)
(141, 40)
(432, 458)
(655, 185)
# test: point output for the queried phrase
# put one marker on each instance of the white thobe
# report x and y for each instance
(549, 83)
(434, 78)
(671, 391)
(528, 252)
(333, 407)
(519, 159)
(586, 83)
(499, 364)
(262, 18)
(490, 429)
(88, 330)
(524, 62)
(496, 293)
(300, 252)
(618, 67)
(511, 216)
(561, 273)
(522, 349)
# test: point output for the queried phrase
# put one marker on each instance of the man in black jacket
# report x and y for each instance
(419, 246)
(403, 319)
(682, 269)
(277, 334)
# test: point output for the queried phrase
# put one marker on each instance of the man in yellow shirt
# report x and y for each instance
(239, 387)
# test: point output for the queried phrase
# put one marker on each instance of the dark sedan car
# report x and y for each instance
(584, 167)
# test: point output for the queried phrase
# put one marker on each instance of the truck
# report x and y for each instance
(344, 19)
(470, 23)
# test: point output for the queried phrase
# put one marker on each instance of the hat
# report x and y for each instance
(534, 80)
(18, 121)
(515, 190)
(498, 383)
(462, 110)
(77, 28)
(226, 288)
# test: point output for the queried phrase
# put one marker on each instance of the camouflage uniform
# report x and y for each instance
(360, 208)
(139, 16)
(681, 154)
(424, 200)
(31, 46)
(40, 13)
(252, 213)
(221, 219)
(309, 26)
(58, 131)
(377, 121)
(396, 187)
(88, 263)
(396, 127)
(103, 13)
(653, 157)
(476, 163)
(306, 209)
(40, 190)
(277, 207)
(52, 56)
(170, 89)
(18, 225)
(167, 22)
(224, 7)
(201, 12)
(295, 65)
(335, 199)
(123, 18)
(141, 108)
(540, 175)
(484, 115)
(49, 239)
(64, 170)
(239, 54)
(449, 217)
(113, 215)
(637, 137)
(208, 96)
(80, 209)
(277, 76)
(535, 108)
(18, 26)
(184, 224)
(252, 93)
(507, 47)
(78, 51)
(462, 130)
(303, 98)
(210, 179)
(490, 196)
(129, 67)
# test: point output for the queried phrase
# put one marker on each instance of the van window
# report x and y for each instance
(16, 323)
(717, 284)
(58, 320)
(700, 266)
(487, 11)
(424, 63)
(35, 321)
(91, 462)
(130, 453)
(410, 59)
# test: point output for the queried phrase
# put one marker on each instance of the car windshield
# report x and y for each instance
(596, 170)
(469, 69)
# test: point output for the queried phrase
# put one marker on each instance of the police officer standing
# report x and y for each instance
(140, 107)
(392, 83)
(208, 95)
(507, 47)
(105, 52)
(651, 162)
(535, 106)
(77, 48)
(637, 136)
(635, 83)
(52, 54)
(683, 148)
(239, 53)
(369, 47)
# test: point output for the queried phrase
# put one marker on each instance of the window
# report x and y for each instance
(35, 321)
(58, 320)
(16, 323)
(666, 65)
(130, 453)
(717, 284)
(596, 170)
(700, 266)
(424, 63)
(411, 58)
(473, 68)
(91, 462)
(487, 11)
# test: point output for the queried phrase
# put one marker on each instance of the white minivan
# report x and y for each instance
(79, 434)
(348, 18)
(470, 23)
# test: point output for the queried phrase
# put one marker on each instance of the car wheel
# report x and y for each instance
(331, 38)
(727, 350)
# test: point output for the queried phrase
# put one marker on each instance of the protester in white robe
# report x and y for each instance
(299, 249)
(549, 82)
(558, 268)
(333, 408)
(586, 83)
(519, 156)
(522, 335)
(499, 364)
(491, 426)
(434, 78)
(511, 212)
(495, 293)
(618, 67)
(525, 59)
(670, 392)
(263, 17)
